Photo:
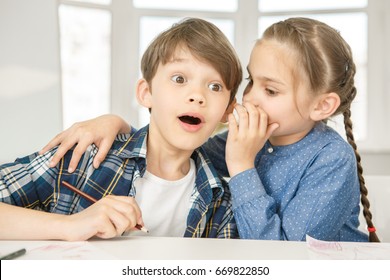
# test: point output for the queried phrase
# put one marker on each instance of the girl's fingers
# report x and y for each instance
(253, 117)
(52, 143)
(243, 118)
(104, 148)
(233, 125)
(59, 154)
(262, 122)
(77, 153)
(258, 121)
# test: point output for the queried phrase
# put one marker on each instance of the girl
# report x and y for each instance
(291, 174)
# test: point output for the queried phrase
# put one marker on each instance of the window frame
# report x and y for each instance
(125, 56)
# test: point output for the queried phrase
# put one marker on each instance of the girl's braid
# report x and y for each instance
(363, 190)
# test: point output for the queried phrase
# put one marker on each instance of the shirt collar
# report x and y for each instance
(135, 147)
(135, 144)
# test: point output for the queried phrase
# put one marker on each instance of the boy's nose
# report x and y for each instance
(197, 99)
(197, 96)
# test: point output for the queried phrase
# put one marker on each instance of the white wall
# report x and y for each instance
(375, 163)
(30, 92)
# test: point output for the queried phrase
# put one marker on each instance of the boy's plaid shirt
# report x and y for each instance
(29, 182)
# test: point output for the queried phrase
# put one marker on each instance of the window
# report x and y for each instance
(102, 41)
(304, 5)
(347, 17)
(199, 5)
(85, 43)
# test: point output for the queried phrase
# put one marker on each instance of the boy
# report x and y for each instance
(191, 74)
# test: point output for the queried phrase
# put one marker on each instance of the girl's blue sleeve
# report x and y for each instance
(324, 205)
(253, 209)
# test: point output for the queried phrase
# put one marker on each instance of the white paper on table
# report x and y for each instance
(61, 250)
(334, 250)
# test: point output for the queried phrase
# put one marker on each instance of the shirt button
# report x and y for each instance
(270, 150)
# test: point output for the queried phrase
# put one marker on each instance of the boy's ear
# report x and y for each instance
(144, 96)
(325, 106)
(229, 110)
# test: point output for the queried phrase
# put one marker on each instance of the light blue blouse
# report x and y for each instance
(310, 187)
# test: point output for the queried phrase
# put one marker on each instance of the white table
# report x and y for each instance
(165, 248)
(206, 249)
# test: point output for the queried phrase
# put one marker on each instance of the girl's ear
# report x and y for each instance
(144, 95)
(325, 106)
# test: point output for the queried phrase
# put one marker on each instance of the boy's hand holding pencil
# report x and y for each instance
(109, 217)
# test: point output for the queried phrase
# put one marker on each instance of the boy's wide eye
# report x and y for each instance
(178, 79)
(215, 87)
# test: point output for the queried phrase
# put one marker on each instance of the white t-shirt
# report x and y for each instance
(164, 204)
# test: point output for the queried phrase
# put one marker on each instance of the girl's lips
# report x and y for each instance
(191, 122)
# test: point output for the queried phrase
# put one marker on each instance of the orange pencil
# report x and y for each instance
(93, 200)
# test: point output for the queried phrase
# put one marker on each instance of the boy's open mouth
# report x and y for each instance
(190, 120)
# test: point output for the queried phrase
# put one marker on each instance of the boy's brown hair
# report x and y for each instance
(205, 41)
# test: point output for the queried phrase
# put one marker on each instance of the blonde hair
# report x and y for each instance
(326, 60)
(205, 41)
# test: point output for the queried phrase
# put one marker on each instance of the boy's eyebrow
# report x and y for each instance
(177, 59)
